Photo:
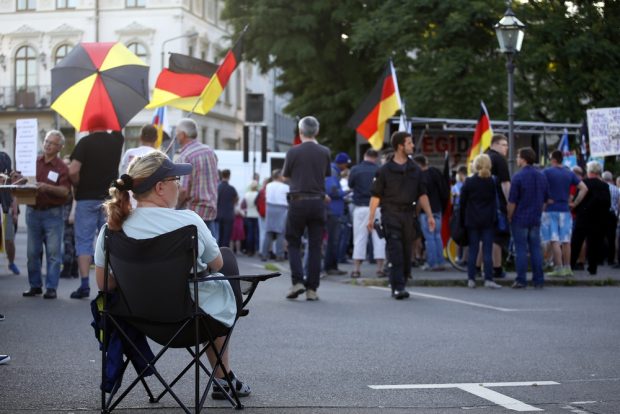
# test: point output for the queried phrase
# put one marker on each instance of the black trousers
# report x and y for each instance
(591, 232)
(610, 237)
(302, 215)
(398, 227)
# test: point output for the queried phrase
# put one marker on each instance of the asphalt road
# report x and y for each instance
(555, 350)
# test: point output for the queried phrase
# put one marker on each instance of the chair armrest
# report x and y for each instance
(246, 278)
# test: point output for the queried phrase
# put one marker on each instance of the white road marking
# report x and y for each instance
(468, 303)
(575, 410)
(479, 389)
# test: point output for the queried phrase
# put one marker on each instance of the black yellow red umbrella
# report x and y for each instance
(99, 86)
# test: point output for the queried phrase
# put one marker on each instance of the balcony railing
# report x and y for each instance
(34, 97)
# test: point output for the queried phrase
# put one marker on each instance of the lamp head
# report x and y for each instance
(510, 32)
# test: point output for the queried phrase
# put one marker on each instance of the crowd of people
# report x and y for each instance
(555, 207)
(319, 212)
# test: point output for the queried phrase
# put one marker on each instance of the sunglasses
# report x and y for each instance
(172, 179)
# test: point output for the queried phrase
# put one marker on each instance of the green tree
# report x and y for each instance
(445, 53)
(307, 41)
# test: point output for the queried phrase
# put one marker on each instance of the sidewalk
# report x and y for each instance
(606, 276)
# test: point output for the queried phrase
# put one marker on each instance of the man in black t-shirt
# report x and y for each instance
(499, 169)
(398, 187)
(93, 167)
(306, 166)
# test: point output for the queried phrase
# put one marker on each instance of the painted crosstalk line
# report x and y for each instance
(479, 389)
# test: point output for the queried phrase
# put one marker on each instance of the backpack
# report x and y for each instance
(259, 202)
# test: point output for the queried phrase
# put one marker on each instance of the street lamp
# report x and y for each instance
(510, 32)
(163, 45)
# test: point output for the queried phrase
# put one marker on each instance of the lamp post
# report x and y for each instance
(163, 44)
(510, 32)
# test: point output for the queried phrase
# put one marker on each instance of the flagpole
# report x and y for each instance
(172, 140)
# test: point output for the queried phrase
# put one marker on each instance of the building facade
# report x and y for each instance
(36, 34)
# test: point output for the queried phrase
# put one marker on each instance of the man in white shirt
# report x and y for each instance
(275, 216)
(148, 138)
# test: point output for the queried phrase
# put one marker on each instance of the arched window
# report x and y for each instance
(61, 52)
(138, 50)
(25, 68)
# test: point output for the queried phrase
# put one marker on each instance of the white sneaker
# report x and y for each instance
(220, 386)
(491, 284)
(4, 359)
(471, 284)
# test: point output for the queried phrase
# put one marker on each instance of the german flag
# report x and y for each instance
(218, 82)
(384, 100)
(181, 85)
(482, 136)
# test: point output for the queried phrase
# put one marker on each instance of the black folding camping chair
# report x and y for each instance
(153, 298)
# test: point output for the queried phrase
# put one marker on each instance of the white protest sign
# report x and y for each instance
(604, 131)
(26, 147)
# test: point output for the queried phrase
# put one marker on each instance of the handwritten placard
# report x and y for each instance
(604, 131)
(26, 147)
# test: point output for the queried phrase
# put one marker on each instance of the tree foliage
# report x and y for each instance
(445, 53)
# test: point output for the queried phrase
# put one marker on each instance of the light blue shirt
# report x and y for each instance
(215, 297)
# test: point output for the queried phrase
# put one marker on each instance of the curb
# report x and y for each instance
(463, 282)
(459, 282)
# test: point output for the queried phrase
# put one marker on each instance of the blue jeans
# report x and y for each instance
(333, 241)
(346, 228)
(477, 235)
(268, 241)
(45, 228)
(225, 226)
(89, 218)
(528, 239)
(251, 237)
(432, 241)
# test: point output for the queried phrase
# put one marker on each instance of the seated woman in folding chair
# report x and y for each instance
(154, 180)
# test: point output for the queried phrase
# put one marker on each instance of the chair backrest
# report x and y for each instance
(152, 274)
(231, 268)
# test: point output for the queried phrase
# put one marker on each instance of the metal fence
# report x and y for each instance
(25, 98)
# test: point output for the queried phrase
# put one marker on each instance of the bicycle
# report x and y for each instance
(451, 253)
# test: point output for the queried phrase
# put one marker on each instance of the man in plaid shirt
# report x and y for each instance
(199, 189)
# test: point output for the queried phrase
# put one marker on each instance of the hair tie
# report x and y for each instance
(124, 183)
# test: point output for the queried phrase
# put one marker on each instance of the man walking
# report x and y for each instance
(397, 188)
(528, 194)
(94, 165)
(306, 166)
(360, 181)
(557, 221)
(199, 189)
(45, 220)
